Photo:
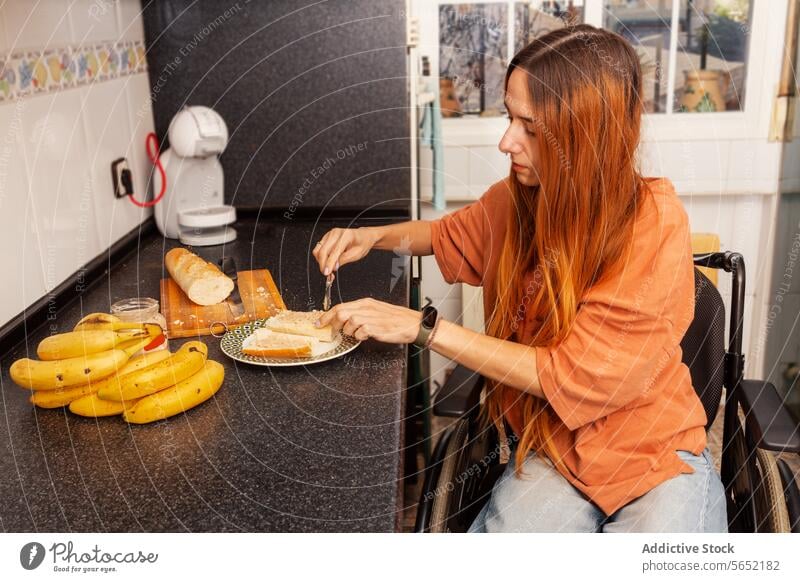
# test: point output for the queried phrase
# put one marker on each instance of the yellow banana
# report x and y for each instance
(71, 372)
(86, 404)
(78, 343)
(60, 397)
(184, 363)
(93, 406)
(144, 361)
(184, 395)
(105, 321)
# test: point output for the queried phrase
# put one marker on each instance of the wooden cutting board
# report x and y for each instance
(260, 299)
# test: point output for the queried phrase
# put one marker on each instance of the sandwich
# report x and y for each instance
(271, 344)
(300, 323)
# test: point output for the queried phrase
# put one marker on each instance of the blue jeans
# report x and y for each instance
(542, 500)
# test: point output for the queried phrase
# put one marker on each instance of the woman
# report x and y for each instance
(588, 288)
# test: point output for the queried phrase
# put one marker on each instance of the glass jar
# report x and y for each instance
(141, 310)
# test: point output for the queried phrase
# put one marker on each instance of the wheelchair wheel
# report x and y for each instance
(771, 510)
(445, 488)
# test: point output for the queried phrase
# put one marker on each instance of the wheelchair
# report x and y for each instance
(761, 493)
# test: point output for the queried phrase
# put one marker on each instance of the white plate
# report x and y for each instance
(236, 339)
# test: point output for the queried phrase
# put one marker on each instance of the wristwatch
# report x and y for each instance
(430, 317)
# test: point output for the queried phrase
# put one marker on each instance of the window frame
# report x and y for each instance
(753, 122)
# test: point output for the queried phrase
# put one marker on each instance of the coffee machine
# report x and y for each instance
(193, 208)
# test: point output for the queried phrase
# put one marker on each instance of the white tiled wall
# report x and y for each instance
(57, 208)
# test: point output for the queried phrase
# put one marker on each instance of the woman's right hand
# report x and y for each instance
(340, 246)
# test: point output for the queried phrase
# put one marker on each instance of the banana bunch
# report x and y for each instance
(176, 384)
(184, 395)
(73, 371)
(186, 362)
(84, 342)
(85, 355)
(91, 370)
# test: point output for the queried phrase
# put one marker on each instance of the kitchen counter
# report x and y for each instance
(315, 448)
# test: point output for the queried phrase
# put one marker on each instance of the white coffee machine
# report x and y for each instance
(193, 208)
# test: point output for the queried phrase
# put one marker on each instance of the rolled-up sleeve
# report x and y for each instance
(462, 240)
(625, 332)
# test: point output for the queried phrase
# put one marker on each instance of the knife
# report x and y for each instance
(326, 300)
(228, 266)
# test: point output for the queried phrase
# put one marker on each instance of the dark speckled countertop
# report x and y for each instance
(315, 448)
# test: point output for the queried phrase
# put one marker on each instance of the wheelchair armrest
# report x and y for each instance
(767, 419)
(460, 394)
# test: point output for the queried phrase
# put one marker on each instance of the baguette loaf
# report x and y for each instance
(202, 282)
(300, 323)
(270, 344)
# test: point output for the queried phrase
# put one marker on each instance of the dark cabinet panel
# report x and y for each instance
(314, 95)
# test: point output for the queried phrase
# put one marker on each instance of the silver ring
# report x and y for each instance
(224, 328)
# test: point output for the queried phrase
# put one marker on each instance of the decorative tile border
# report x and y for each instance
(32, 72)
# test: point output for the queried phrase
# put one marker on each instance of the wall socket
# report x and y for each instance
(121, 178)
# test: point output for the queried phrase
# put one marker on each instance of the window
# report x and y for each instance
(475, 41)
(710, 56)
(705, 72)
(473, 53)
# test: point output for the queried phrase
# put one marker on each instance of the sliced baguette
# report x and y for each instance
(271, 344)
(202, 282)
(300, 323)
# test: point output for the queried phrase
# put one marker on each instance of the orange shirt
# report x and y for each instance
(624, 400)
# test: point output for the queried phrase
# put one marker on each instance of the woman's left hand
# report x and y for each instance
(370, 318)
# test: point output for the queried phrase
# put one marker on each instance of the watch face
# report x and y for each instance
(428, 316)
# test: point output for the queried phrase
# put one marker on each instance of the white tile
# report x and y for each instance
(140, 114)
(486, 166)
(711, 214)
(60, 184)
(108, 133)
(93, 21)
(693, 166)
(752, 161)
(22, 259)
(129, 18)
(746, 236)
(456, 167)
(38, 25)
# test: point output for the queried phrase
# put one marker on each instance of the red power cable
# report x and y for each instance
(151, 145)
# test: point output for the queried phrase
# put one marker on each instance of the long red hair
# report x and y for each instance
(576, 226)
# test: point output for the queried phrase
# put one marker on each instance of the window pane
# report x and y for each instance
(646, 24)
(473, 52)
(535, 19)
(712, 55)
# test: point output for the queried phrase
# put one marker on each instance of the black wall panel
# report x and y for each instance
(314, 95)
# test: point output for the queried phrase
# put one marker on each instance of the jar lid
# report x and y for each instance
(134, 304)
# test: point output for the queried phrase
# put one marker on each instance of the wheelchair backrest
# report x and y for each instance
(704, 345)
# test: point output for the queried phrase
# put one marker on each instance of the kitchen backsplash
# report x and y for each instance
(74, 96)
(56, 69)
